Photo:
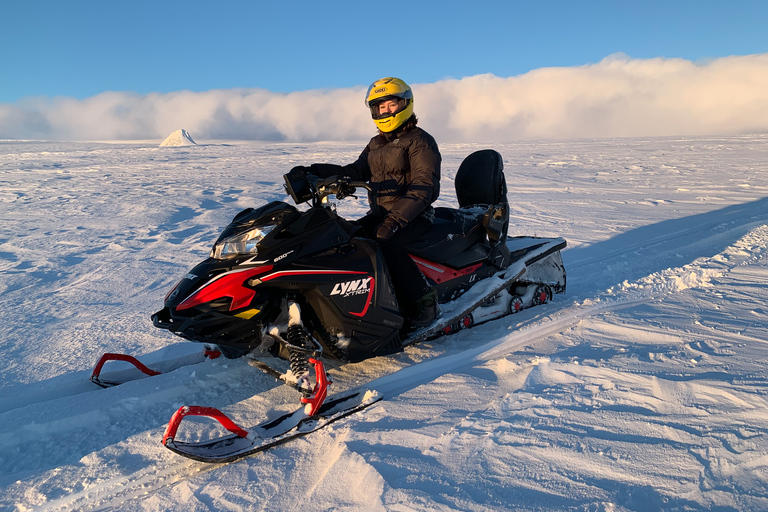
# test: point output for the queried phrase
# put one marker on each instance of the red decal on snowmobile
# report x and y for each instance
(340, 288)
(367, 300)
(230, 285)
(356, 287)
(440, 273)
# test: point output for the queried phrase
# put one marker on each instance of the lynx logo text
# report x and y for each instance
(356, 287)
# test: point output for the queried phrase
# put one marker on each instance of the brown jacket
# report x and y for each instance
(403, 170)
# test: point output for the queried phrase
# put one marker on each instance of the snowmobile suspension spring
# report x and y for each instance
(299, 358)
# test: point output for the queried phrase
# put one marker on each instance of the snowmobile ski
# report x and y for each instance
(242, 443)
(120, 377)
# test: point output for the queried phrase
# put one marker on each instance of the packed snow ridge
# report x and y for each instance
(180, 137)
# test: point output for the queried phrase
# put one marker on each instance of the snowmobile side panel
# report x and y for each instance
(535, 261)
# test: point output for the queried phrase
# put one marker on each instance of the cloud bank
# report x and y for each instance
(617, 97)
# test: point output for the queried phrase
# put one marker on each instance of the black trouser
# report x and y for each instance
(410, 284)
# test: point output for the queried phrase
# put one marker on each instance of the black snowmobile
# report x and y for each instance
(302, 286)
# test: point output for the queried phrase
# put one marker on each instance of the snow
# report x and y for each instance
(642, 388)
(178, 138)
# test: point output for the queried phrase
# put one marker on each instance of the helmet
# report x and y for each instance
(390, 89)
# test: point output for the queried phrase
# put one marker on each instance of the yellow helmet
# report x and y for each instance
(390, 89)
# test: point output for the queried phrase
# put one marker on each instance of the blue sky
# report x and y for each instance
(82, 48)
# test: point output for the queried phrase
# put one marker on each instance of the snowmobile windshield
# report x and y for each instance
(242, 244)
(376, 112)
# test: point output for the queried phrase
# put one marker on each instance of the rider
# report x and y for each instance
(402, 165)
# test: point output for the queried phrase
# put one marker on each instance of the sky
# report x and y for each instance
(54, 52)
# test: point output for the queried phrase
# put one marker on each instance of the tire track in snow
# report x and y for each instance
(699, 273)
(110, 495)
(649, 249)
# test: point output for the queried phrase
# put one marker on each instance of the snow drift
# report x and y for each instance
(180, 137)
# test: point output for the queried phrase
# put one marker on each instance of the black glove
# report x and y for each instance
(345, 189)
(301, 169)
(387, 229)
(326, 182)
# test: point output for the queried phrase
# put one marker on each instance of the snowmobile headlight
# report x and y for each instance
(242, 244)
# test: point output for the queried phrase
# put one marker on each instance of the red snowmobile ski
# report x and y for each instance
(119, 377)
(316, 414)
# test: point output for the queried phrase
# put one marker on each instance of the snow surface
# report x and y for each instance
(643, 388)
(180, 137)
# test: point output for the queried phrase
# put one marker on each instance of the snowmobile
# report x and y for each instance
(303, 287)
(290, 282)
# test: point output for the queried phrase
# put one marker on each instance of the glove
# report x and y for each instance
(326, 182)
(301, 169)
(345, 189)
(387, 229)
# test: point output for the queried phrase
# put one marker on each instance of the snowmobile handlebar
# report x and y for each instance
(303, 186)
(335, 185)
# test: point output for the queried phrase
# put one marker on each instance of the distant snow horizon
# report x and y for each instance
(616, 97)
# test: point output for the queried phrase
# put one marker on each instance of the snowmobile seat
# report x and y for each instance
(454, 233)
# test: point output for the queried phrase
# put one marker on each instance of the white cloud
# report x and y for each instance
(616, 97)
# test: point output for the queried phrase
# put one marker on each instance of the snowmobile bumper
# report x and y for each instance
(234, 336)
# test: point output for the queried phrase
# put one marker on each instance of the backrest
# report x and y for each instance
(480, 179)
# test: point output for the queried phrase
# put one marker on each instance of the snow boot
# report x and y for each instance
(424, 311)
